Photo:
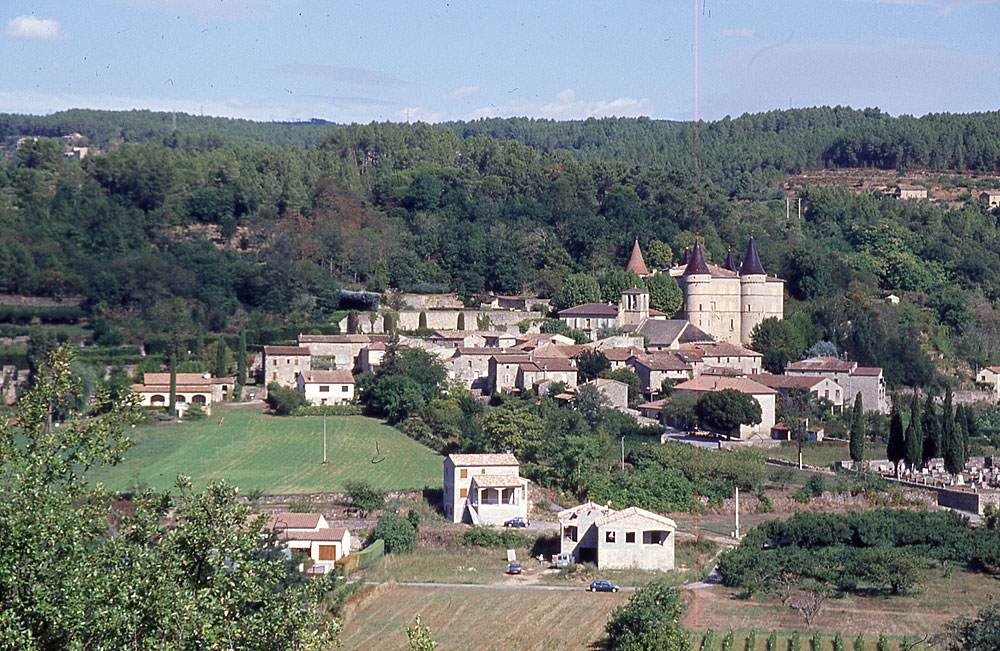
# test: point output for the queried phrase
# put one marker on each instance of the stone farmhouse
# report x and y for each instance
(818, 386)
(484, 489)
(282, 364)
(912, 192)
(312, 535)
(191, 389)
(854, 379)
(991, 197)
(326, 387)
(632, 538)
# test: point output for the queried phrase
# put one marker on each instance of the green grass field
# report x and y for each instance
(823, 454)
(278, 455)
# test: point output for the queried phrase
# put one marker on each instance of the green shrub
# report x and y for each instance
(707, 640)
(282, 400)
(364, 496)
(772, 641)
(838, 642)
(816, 642)
(751, 642)
(486, 537)
(882, 644)
(795, 642)
(195, 412)
(328, 410)
(650, 620)
(727, 642)
(859, 643)
(398, 534)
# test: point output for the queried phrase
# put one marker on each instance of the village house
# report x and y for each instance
(545, 370)
(818, 386)
(720, 355)
(991, 197)
(343, 350)
(484, 489)
(471, 366)
(326, 387)
(765, 397)
(654, 368)
(222, 388)
(670, 334)
(191, 389)
(854, 379)
(990, 378)
(615, 392)
(370, 357)
(456, 339)
(619, 357)
(632, 538)
(311, 534)
(282, 364)
(912, 192)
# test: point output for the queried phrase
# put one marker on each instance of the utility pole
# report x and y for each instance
(736, 532)
(623, 454)
(324, 438)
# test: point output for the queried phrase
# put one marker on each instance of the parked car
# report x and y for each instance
(516, 523)
(514, 568)
(600, 585)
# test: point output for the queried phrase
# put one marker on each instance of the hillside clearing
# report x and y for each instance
(275, 455)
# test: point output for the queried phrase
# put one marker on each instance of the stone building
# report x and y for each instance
(484, 488)
(632, 538)
(282, 364)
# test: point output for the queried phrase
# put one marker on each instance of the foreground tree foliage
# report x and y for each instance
(980, 632)
(650, 621)
(77, 573)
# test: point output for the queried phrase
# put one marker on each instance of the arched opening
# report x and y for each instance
(181, 399)
(198, 399)
(157, 399)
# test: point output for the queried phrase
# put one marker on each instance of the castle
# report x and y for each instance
(727, 302)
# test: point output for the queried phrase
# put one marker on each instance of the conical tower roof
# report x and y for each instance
(730, 264)
(686, 258)
(635, 261)
(697, 263)
(751, 262)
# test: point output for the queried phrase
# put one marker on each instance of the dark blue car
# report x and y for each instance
(600, 585)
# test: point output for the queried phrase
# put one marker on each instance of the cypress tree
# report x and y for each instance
(221, 358)
(858, 430)
(932, 431)
(914, 435)
(961, 434)
(950, 444)
(896, 448)
(173, 382)
(241, 359)
(461, 321)
(422, 321)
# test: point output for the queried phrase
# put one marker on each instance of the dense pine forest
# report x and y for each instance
(217, 221)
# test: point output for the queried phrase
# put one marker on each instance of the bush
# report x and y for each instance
(195, 412)
(364, 497)
(486, 537)
(282, 400)
(328, 410)
(650, 620)
(398, 534)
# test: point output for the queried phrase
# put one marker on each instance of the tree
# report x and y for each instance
(951, 444)
(202, 578)
(393, 397)
(241, 359)
(364, 496)
(397, 532)
(726, 410)
(283, 400)
(461, 321)
(590, 364)
(931, 426)
(628, 376)
(589, 402)
(914, 434)
(659, 256)
(858, 430)
(422, 321)
(577, 289)
(560, 327)
(515, 430)
(664, 293)
(222, 359)
(614, 282)
(778, 341)
(649, 621)
(821, 349)
(981, 632)
(896, 447)
(418, 637)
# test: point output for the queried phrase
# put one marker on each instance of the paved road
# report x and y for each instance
(497, 586)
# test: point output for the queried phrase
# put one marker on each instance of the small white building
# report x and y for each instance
(632, 538)
(312, 535)
(484, 488)
(326, 387)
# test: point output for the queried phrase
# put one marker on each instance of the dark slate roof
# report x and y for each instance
(590, 309)
(662, 332)
(730, 263)
(694, 335)
(751, 262)
(697, 263)
(686, 257)
(635, 261)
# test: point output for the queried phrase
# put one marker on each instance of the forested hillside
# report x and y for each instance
(224, 218)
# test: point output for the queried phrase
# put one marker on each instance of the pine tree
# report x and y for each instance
(914, 435)
(896, 448)
(932, 431)
(950, 445)
(858, 430)
(241, 359)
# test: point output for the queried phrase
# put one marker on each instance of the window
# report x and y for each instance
(630, 536)
(323, 388)
(296, 362)
(483, 471)
(275, 363)
(327, 552)
(274, 376)
(344, 388)
(463, 473)
(464, 492)
(570, 533)
(609, 537)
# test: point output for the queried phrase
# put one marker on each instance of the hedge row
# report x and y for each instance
(329, 410)
(26, 314)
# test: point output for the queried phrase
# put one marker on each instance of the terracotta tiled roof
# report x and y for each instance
(633, 511)
(621, 354)
(548, 364)
(868, 370)
(707, 383)
(498, 459)
(497, 481)
(591, 309)
(751, 262)
(664, 361)
(696, 265)
(286, 350)
(330, 533)
(334, 339)
(719, 349)
(333, 377)
(293, 521)
(485, 351)
(512, 359)
(635, 261)
(656, 404)
(165, 388)
(188, 379)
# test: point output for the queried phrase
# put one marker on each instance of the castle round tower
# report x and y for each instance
(698, 287)
(755, 295)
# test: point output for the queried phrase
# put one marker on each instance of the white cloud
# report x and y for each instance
(29, 27)
(741, 33)
(566, 106)
(464, 92)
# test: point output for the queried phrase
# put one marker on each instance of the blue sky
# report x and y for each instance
(358, 61)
